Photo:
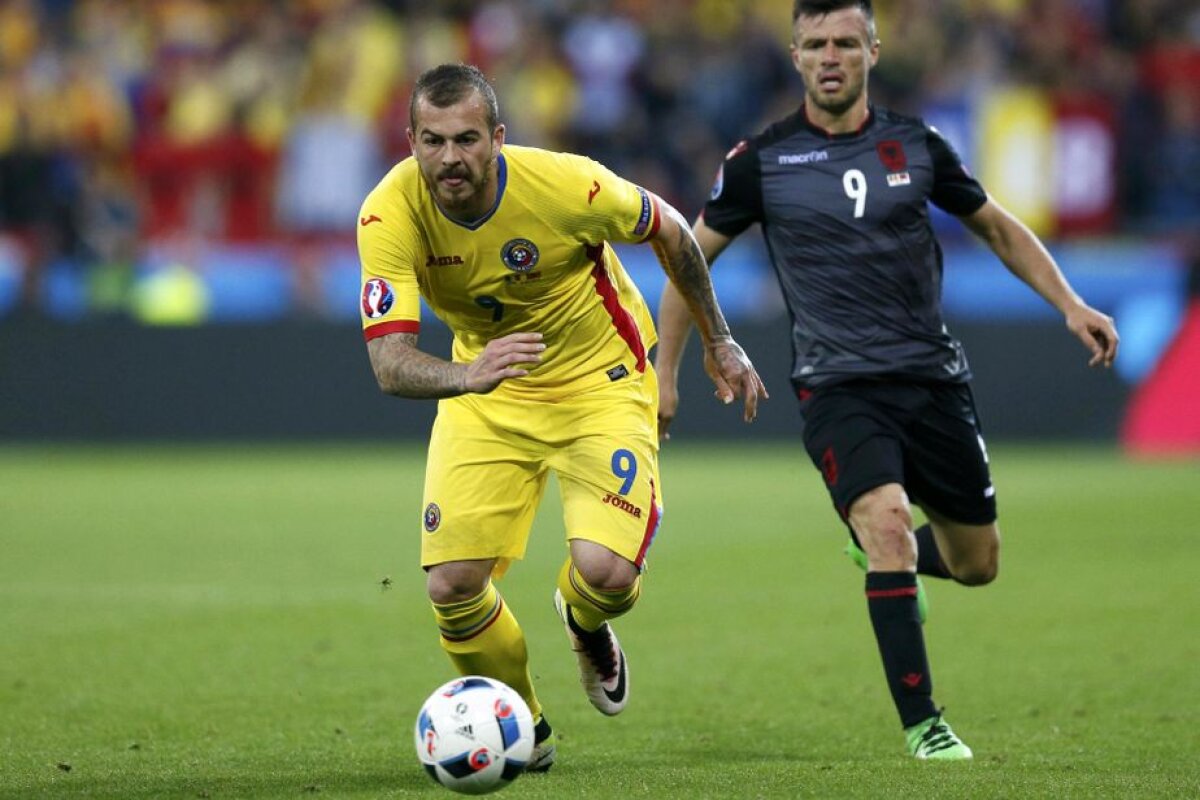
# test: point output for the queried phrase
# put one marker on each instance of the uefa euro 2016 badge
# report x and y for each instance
(719, 184)
(377, 298)
(519, 255)
(433, 517)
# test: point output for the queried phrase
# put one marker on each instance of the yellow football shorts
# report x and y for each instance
(490, 457)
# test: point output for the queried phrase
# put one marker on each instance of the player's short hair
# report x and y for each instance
(818, 8)
(447, 84)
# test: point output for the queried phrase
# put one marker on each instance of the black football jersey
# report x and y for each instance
(848, 233)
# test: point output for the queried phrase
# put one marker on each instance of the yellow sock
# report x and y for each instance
(482, 637)
(591, 607)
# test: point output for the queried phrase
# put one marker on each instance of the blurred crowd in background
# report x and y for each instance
(132, 124)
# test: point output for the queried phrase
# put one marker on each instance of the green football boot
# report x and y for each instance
(932, 740)
(860, 558)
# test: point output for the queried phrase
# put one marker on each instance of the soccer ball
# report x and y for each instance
(474, 735)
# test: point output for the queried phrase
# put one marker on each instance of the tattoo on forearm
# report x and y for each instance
(403, 370)
(689, 272)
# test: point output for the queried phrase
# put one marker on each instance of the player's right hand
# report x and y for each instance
(507, 357)
(734, 376)
(1097, 331)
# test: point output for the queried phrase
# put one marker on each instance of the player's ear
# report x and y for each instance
(412, 140)
(498, 137)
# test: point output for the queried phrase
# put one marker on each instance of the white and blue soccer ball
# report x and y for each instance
(474, 735)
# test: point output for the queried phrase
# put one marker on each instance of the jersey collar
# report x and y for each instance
(867, 122)
(501, 182)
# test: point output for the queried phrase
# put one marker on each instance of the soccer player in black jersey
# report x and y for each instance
(840, 189)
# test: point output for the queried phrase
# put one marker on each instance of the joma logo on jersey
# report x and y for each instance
(804, 158)
(443, 261)
(623, 504)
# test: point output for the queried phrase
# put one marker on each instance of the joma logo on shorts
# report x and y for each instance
(623, 504)
(443, 261)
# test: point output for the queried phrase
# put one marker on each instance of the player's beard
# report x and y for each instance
(837, 106)
(469, 196)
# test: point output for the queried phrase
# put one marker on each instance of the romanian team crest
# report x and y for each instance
(377, 298)
(520, 255)
(433, 517)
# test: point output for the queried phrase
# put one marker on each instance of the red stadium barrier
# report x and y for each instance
(1163, 417)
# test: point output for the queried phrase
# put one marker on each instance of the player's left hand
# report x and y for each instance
(1097, 331)
(734, 376)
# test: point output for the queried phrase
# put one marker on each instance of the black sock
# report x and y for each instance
(892, 603)
(929, 560)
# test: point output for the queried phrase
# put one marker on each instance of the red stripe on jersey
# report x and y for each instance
(905, 591)
(651, 527)
(622, 320)
(384, 328)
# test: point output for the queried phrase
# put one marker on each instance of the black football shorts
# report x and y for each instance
(925, 436)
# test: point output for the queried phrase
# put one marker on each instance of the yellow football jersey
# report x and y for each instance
(539, 261)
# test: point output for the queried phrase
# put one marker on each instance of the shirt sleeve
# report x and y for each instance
(613, 209)
(735, 202)
(955, 189)
(390, 300)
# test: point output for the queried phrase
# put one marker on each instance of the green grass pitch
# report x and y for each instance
(236, 622)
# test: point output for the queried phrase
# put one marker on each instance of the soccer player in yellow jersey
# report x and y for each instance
(510, 246)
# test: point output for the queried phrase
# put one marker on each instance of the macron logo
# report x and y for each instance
(804, 158)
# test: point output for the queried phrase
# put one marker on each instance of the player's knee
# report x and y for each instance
(979, 564)
(884, 509)
(601, 568)
(883, 520)
(979, 571)
(455, 582)
(613, 574)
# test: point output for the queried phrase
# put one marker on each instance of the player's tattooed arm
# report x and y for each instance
(403, 370)
(724, 360)
(681, 257)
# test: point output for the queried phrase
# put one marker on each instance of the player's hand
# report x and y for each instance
(1097, 331)
(507, 357)
(733, 375)
(668, 405)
